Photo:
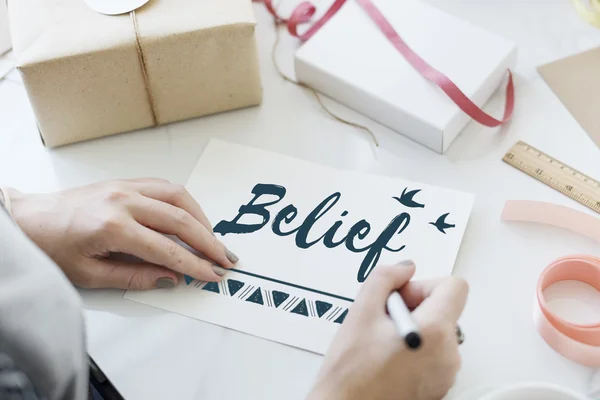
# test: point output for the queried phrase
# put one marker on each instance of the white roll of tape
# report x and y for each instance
(115, 7)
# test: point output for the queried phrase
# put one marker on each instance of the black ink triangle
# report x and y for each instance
(234, 286)
(279, 297)
(256, 297)
(322, 307)
(301, 308)
(212, 287)
(341, 318)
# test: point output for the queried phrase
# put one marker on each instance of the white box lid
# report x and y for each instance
(351, 48)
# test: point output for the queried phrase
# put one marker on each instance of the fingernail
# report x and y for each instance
(165, 283)
(231, 256)
(407, 263)
(219, 270)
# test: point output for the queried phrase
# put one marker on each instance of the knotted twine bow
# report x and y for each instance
(304, 12)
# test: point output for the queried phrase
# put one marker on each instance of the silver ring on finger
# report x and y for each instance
(460, 337)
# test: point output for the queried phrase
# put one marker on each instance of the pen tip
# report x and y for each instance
(413, 340)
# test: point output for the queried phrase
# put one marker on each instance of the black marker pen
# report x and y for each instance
(403, 321)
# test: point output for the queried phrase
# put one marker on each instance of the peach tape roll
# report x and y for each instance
(577, 342)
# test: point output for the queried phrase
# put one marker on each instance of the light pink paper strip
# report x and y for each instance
(577, 342)
(552, 214)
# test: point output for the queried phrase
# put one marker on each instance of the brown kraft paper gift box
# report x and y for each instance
(89, 75)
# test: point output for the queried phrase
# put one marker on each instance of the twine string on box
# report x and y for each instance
(277, 24)
(141, 57)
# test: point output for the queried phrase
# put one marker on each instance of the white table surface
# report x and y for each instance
(151, 354)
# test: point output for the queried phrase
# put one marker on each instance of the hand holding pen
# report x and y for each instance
(405, 325)
(371, 360)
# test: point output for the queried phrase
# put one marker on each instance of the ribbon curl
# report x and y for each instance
(304, 12)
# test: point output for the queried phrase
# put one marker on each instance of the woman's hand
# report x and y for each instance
(79, 228)
(367, 358)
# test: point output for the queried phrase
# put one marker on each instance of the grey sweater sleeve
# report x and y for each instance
(42, 347)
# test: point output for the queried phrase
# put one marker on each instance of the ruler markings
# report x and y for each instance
(555, 174)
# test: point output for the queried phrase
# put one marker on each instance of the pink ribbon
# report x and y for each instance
(305, 11)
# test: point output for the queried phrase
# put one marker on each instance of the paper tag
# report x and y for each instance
(115, 7)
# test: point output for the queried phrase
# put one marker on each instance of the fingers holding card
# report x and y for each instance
(307, 237)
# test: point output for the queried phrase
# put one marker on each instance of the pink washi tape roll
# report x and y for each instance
(577, 342)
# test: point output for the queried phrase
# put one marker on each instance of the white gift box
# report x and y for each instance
(350, 60)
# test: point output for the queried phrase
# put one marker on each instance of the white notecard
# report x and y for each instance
(301, 267)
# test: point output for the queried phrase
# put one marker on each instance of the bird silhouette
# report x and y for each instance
(406, 199)
(441, 224)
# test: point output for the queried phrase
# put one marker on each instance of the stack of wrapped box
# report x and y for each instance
(89, 74)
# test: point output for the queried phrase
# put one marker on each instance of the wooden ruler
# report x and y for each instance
(557, 175)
